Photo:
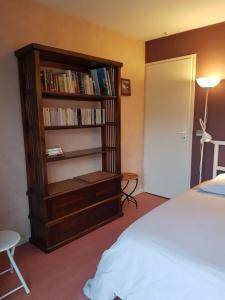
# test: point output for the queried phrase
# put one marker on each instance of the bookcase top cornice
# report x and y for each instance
(57, 54)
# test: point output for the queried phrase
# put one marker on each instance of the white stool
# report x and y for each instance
(8, 241)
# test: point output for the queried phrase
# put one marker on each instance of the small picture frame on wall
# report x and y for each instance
(125, 87)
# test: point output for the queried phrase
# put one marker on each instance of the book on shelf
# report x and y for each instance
(99, 81)
(53, 116)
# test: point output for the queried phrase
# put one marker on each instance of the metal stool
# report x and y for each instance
(8, 241)
(128, 196)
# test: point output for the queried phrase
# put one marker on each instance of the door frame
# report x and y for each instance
(193, 58)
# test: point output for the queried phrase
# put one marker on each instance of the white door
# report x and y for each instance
(169, 106)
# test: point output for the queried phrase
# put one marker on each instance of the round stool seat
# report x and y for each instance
(129, 176)
(8, 239)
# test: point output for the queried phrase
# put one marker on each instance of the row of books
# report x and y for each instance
(73, 116)
(99, 81)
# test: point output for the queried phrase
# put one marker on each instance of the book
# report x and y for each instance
(96, 87)
(47, 119)
(75, 115)
(79, 116)
(102, 82)
(52, 112)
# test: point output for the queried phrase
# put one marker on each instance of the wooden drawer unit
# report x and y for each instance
(75, 213)
(62, 205)
(76, 225)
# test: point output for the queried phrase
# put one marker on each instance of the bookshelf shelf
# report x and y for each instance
(80, 97)
(65, 210)
(73, 127)
(80, 153)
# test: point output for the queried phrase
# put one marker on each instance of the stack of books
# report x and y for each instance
(53, 152)
(99, 81)
(73, 116)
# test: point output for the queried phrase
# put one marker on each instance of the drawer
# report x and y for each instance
(86, 220)
(68, 228)
(63, 205)
(107, 189)
(104, 211)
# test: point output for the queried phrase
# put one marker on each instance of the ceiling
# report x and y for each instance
(145, 19)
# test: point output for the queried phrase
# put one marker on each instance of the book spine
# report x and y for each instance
(57, 117)
(52, 116)
(102, 81)
(48, 120)
(45, 80)
(61, 83)
(44, 116)
(108, 82)
(103, 116)
(95, 82)
(60, 116)
(91, 85)
(79, 116)
(67, 117)
(65, 83)
(74, 83)
(69, 81)
(75, 117)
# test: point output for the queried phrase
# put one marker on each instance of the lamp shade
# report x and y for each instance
(208, 82)
(206, 137)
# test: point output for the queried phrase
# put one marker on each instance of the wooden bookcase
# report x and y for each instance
(64, 210)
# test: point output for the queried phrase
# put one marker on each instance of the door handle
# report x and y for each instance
(183, 133)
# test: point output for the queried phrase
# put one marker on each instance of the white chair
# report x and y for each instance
(8, 240)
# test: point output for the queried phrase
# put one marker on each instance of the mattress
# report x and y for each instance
(174, 252)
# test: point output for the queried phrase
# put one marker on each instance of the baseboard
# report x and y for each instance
(24, 239)
(138, 191)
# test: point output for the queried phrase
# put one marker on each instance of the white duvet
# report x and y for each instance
(175, 252)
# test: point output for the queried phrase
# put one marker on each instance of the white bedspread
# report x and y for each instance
(175, 252)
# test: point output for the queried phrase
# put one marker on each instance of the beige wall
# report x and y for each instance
(23, 22)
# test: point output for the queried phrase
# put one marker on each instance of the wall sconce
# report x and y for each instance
(206, 83)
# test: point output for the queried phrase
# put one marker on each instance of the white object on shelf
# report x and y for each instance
(54, 151)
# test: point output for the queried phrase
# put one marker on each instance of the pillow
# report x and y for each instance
(215, 185)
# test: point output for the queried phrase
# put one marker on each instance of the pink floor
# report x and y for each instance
(61, 274)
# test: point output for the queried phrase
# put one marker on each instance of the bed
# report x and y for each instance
(175, 252)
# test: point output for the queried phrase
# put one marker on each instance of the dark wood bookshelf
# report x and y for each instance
(80, 153)
(77, 97)
(65, 210)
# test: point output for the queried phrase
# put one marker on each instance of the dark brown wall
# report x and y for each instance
(209, 45)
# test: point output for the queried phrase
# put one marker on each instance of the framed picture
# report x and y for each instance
(125, 87)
